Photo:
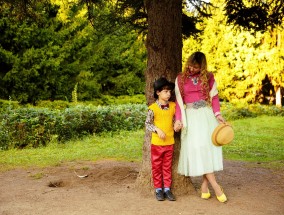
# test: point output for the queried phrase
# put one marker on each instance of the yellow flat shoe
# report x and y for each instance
(223, 197)
(205, 195)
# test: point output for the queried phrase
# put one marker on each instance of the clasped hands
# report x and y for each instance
(178, 125)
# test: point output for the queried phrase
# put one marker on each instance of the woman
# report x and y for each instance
(198, 114)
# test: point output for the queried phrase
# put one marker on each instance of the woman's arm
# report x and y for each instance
(215, 99)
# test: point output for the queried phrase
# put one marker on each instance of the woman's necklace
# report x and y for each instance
(195, 80)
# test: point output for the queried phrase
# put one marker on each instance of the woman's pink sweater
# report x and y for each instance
(193, 93)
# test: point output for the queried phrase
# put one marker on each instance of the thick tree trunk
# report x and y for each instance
(278, 96)
(164, 47)
(164, 41)
(278, 88)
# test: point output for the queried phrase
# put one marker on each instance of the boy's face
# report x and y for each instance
(164, 95)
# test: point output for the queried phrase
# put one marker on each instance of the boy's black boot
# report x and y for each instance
(170, 196)
(160, 195)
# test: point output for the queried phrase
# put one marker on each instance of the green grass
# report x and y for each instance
(124, 145)
(258, 139)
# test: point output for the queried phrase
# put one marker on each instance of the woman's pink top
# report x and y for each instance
(193, 93)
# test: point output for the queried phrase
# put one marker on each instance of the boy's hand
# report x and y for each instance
(177, 125)
(160, 133)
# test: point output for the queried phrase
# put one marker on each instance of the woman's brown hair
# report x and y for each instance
(200, 59)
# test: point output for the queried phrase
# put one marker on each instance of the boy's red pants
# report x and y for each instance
(161, 158)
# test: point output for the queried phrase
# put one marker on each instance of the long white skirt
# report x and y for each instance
(198, 155)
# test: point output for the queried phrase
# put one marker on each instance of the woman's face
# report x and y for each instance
(194, 68)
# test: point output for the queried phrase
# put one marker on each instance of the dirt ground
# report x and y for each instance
(109, 188)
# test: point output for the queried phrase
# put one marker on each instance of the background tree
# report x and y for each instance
(242, 60)
(164, 60)
(45, 58)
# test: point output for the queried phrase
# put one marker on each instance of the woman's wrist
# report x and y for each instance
(217, 114)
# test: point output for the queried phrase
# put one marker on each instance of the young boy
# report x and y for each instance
(159, 121)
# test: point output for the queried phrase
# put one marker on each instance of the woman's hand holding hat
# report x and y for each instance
(223, 134)
(220, 119)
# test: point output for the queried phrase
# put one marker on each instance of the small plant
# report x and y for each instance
(74, 94)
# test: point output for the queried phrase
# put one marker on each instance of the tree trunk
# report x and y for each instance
(164, 47)
(278, 88)
(278, 96)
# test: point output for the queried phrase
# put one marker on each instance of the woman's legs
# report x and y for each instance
(212, 180)
(204, 185)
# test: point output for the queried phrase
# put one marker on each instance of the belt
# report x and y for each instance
(196, 105)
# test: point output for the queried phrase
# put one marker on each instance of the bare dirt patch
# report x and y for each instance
(108, 187)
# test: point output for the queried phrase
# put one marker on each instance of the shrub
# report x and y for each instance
(105, 100)
(233, 112)
(56, 104)
(33, 127)
(25, 127)
(8, 104)
(124, 99)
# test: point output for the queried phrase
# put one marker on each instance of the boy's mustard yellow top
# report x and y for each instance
(163, 119)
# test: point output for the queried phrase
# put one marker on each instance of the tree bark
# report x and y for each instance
(164, 41)
(278, 96)
(278, 88)
(164, 49)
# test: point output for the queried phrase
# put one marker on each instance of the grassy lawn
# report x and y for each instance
(259, 140)
(256, 139)
(119, 146)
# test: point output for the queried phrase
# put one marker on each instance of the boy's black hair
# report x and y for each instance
(162, 83)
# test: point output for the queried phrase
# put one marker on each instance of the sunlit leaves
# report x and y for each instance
(242, 61)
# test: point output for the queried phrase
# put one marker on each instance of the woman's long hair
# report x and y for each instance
(200, 59)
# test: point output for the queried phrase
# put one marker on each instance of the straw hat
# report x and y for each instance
(223, 134)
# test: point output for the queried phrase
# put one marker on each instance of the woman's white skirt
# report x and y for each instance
(198, 155)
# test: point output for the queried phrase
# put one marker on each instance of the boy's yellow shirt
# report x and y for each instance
(163, 119)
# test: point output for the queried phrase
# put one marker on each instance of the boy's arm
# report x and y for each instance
(149, 123)
(151, 127)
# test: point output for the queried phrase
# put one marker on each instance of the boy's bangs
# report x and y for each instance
(167, 88)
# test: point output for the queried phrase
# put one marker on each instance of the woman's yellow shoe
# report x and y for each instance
(223, 197)
(205, 195)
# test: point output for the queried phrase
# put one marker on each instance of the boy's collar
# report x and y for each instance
(163, 106)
